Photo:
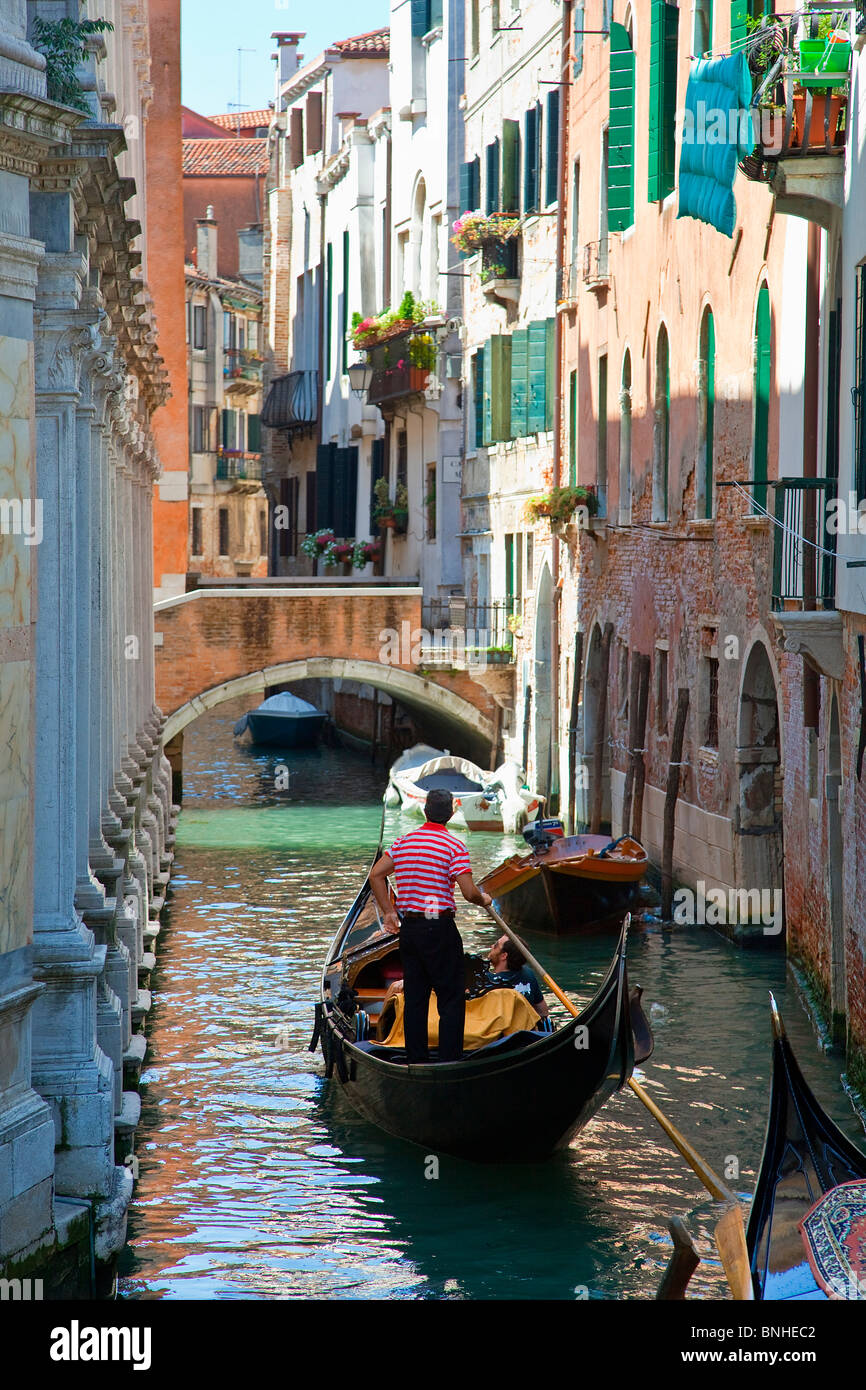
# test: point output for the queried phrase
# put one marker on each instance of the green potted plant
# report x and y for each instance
(383, 507)
(316, 545)
(560, 504)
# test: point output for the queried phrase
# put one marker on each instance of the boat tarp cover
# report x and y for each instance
(286, 703)
(453, 770)
(415, 756)
(496, 1014)
(717, 133)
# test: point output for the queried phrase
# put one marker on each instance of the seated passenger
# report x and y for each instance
(509, 970)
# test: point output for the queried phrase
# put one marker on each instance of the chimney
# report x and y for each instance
(287, 53)
(206, 244)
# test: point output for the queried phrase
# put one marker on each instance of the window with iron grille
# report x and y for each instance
(711, 667)
(224, 530)
(196, 531)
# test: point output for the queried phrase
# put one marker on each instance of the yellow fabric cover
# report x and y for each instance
(493, 1015)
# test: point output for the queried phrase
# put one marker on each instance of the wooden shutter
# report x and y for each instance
(310, 499)
(465, 191)
(511, 166)
(491, 200)
(530, 162)
(500, 403)
(620, 165)
(315, 133)
(549, 373)
(762, 395)
(420, 17)
(487, 394)
(739, 11)
(345, 494)
(254, 433)
(519, 381)
(536, 409)
(325, 466)
(664, 39)
(551, 170)
(478, 384)
(296, 137)
(344, 317)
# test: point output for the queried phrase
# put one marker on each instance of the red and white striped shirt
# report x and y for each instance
(426, 863)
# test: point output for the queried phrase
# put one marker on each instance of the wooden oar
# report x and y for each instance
(730, 1235)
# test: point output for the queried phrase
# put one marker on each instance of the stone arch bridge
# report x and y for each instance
(228, 638)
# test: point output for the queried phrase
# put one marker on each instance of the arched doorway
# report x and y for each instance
(758, 818)
(596, 748)
(836, 880)
(542, 688)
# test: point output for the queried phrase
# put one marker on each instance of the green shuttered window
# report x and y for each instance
(739, 11)
(491, 200)
(551, 163)
(664, 41)
(531, 158)
(519, 381)
(536, 410)
(470, 185)
(511, 166)
(620, 176)
(478, 396)
(762, 396)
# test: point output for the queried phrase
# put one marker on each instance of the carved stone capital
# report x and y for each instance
(817, 637)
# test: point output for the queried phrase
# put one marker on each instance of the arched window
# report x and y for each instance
(706, 415)
(761, 396)
(625, 442)
(661, 427)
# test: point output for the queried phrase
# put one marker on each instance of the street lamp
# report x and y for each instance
(360, 376)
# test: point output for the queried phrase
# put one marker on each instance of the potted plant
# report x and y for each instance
(368, 332)
(473, 230)
(383, 507)
(423, 355)
(401, 507)
(316, 545)
(365, 553)
(560, 504)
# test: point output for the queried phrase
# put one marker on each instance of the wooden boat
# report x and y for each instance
(575, 881)
(805, 1155)
(518, 1098)
(497, 800)
(283, 721)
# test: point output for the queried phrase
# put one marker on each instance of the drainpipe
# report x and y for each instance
(564, 90)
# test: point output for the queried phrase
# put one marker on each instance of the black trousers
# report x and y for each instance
(431, 950)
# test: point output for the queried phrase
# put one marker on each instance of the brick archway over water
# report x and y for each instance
(216, 643)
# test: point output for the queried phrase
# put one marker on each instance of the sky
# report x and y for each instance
(212, 31)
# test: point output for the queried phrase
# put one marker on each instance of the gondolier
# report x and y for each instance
(426, 864)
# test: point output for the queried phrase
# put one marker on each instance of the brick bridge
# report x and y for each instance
(232, 638)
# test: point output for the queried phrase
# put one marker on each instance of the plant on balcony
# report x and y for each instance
(383, 507)
(472, 230)
(365, 552)
(560, 504)
(401, 507)
(496, 271)
(316, 545)
(423, 352)
(378, 328)
(63, 43)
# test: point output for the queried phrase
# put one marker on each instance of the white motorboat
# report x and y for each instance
(498, 800)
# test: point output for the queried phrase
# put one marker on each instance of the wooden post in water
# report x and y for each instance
(671, 794)
(600, 732)
(572, 732)
(640, 763)
(634, 675)
(527, 712)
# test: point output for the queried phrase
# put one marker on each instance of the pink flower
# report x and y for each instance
(401, 363)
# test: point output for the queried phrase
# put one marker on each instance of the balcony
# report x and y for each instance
(238, 466)
(242, 370)
(292, 402)
(804, 573)
(800, 118)
(456, 627)
(595, 265)
(499, 274)
(397, 366)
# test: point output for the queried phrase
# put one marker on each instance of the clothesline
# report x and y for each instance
(762, 511)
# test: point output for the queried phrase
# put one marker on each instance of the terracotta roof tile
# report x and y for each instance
(225, 157)
(376, 44)
(245, 120)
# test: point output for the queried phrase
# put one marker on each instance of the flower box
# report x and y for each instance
(815, 135)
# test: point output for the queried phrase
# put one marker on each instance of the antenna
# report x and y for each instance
(238, 105)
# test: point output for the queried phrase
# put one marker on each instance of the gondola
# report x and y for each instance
(283, 721)
(805, 1155)
(515, 1099)
(567, 883)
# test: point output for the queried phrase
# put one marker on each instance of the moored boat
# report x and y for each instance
(568, 882)
(805, 1157)
(284, 721)
(498, 800)
(518, 1097)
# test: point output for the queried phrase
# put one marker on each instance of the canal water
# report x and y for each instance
(258, 1180)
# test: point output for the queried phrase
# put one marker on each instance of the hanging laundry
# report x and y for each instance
(717, 133)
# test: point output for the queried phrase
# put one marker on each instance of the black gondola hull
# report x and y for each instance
(517, 1100)
(557, 904)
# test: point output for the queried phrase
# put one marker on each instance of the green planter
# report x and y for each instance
(827, 61)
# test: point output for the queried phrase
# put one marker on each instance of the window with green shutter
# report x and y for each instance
(549, 373)
(499, 351)
(254, 434)
(325, 462)
(491, 198)
(470, 185)
(536, 407)
(531, 160)
(420, 18)
(478, 396)
(487, 395)
(739, 11)
(344, 315)
(577, 41)
(762, 397)
(551, 161)
(519, 381)
(664, 41)
(620, 164)
(344, 496)
(511, 167)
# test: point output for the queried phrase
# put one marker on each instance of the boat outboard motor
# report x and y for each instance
(540, 834)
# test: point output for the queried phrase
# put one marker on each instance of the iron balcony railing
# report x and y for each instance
(292, 402)
(499, 259)
(394, 374)
(487, 626)
(236, 465)
(595, 267)
(804, 550)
